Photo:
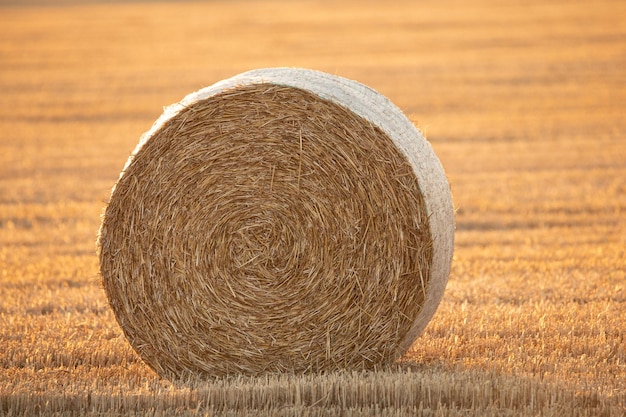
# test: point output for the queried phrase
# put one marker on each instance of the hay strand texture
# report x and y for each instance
(283, 220)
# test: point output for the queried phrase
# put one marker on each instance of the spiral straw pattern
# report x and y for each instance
(260, 227)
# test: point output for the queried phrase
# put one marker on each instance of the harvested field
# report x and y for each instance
(523, 102)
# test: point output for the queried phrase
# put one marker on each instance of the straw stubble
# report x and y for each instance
(265, 229)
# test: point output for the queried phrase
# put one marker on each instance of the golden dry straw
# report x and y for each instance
(277, 222)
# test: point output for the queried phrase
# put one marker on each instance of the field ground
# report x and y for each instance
(524, 103)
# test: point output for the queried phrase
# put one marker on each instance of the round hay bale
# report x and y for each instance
(281, 220)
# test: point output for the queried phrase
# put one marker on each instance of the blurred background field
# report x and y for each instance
(523, 102)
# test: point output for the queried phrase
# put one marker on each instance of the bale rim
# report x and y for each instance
(281, 220)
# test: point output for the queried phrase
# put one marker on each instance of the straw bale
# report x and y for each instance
(284, 220)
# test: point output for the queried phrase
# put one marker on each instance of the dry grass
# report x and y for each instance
(523, 104)
(402, 392)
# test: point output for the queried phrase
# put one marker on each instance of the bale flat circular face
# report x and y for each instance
(266, 229)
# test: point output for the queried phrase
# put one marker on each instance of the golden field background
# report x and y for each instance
(523, 102)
